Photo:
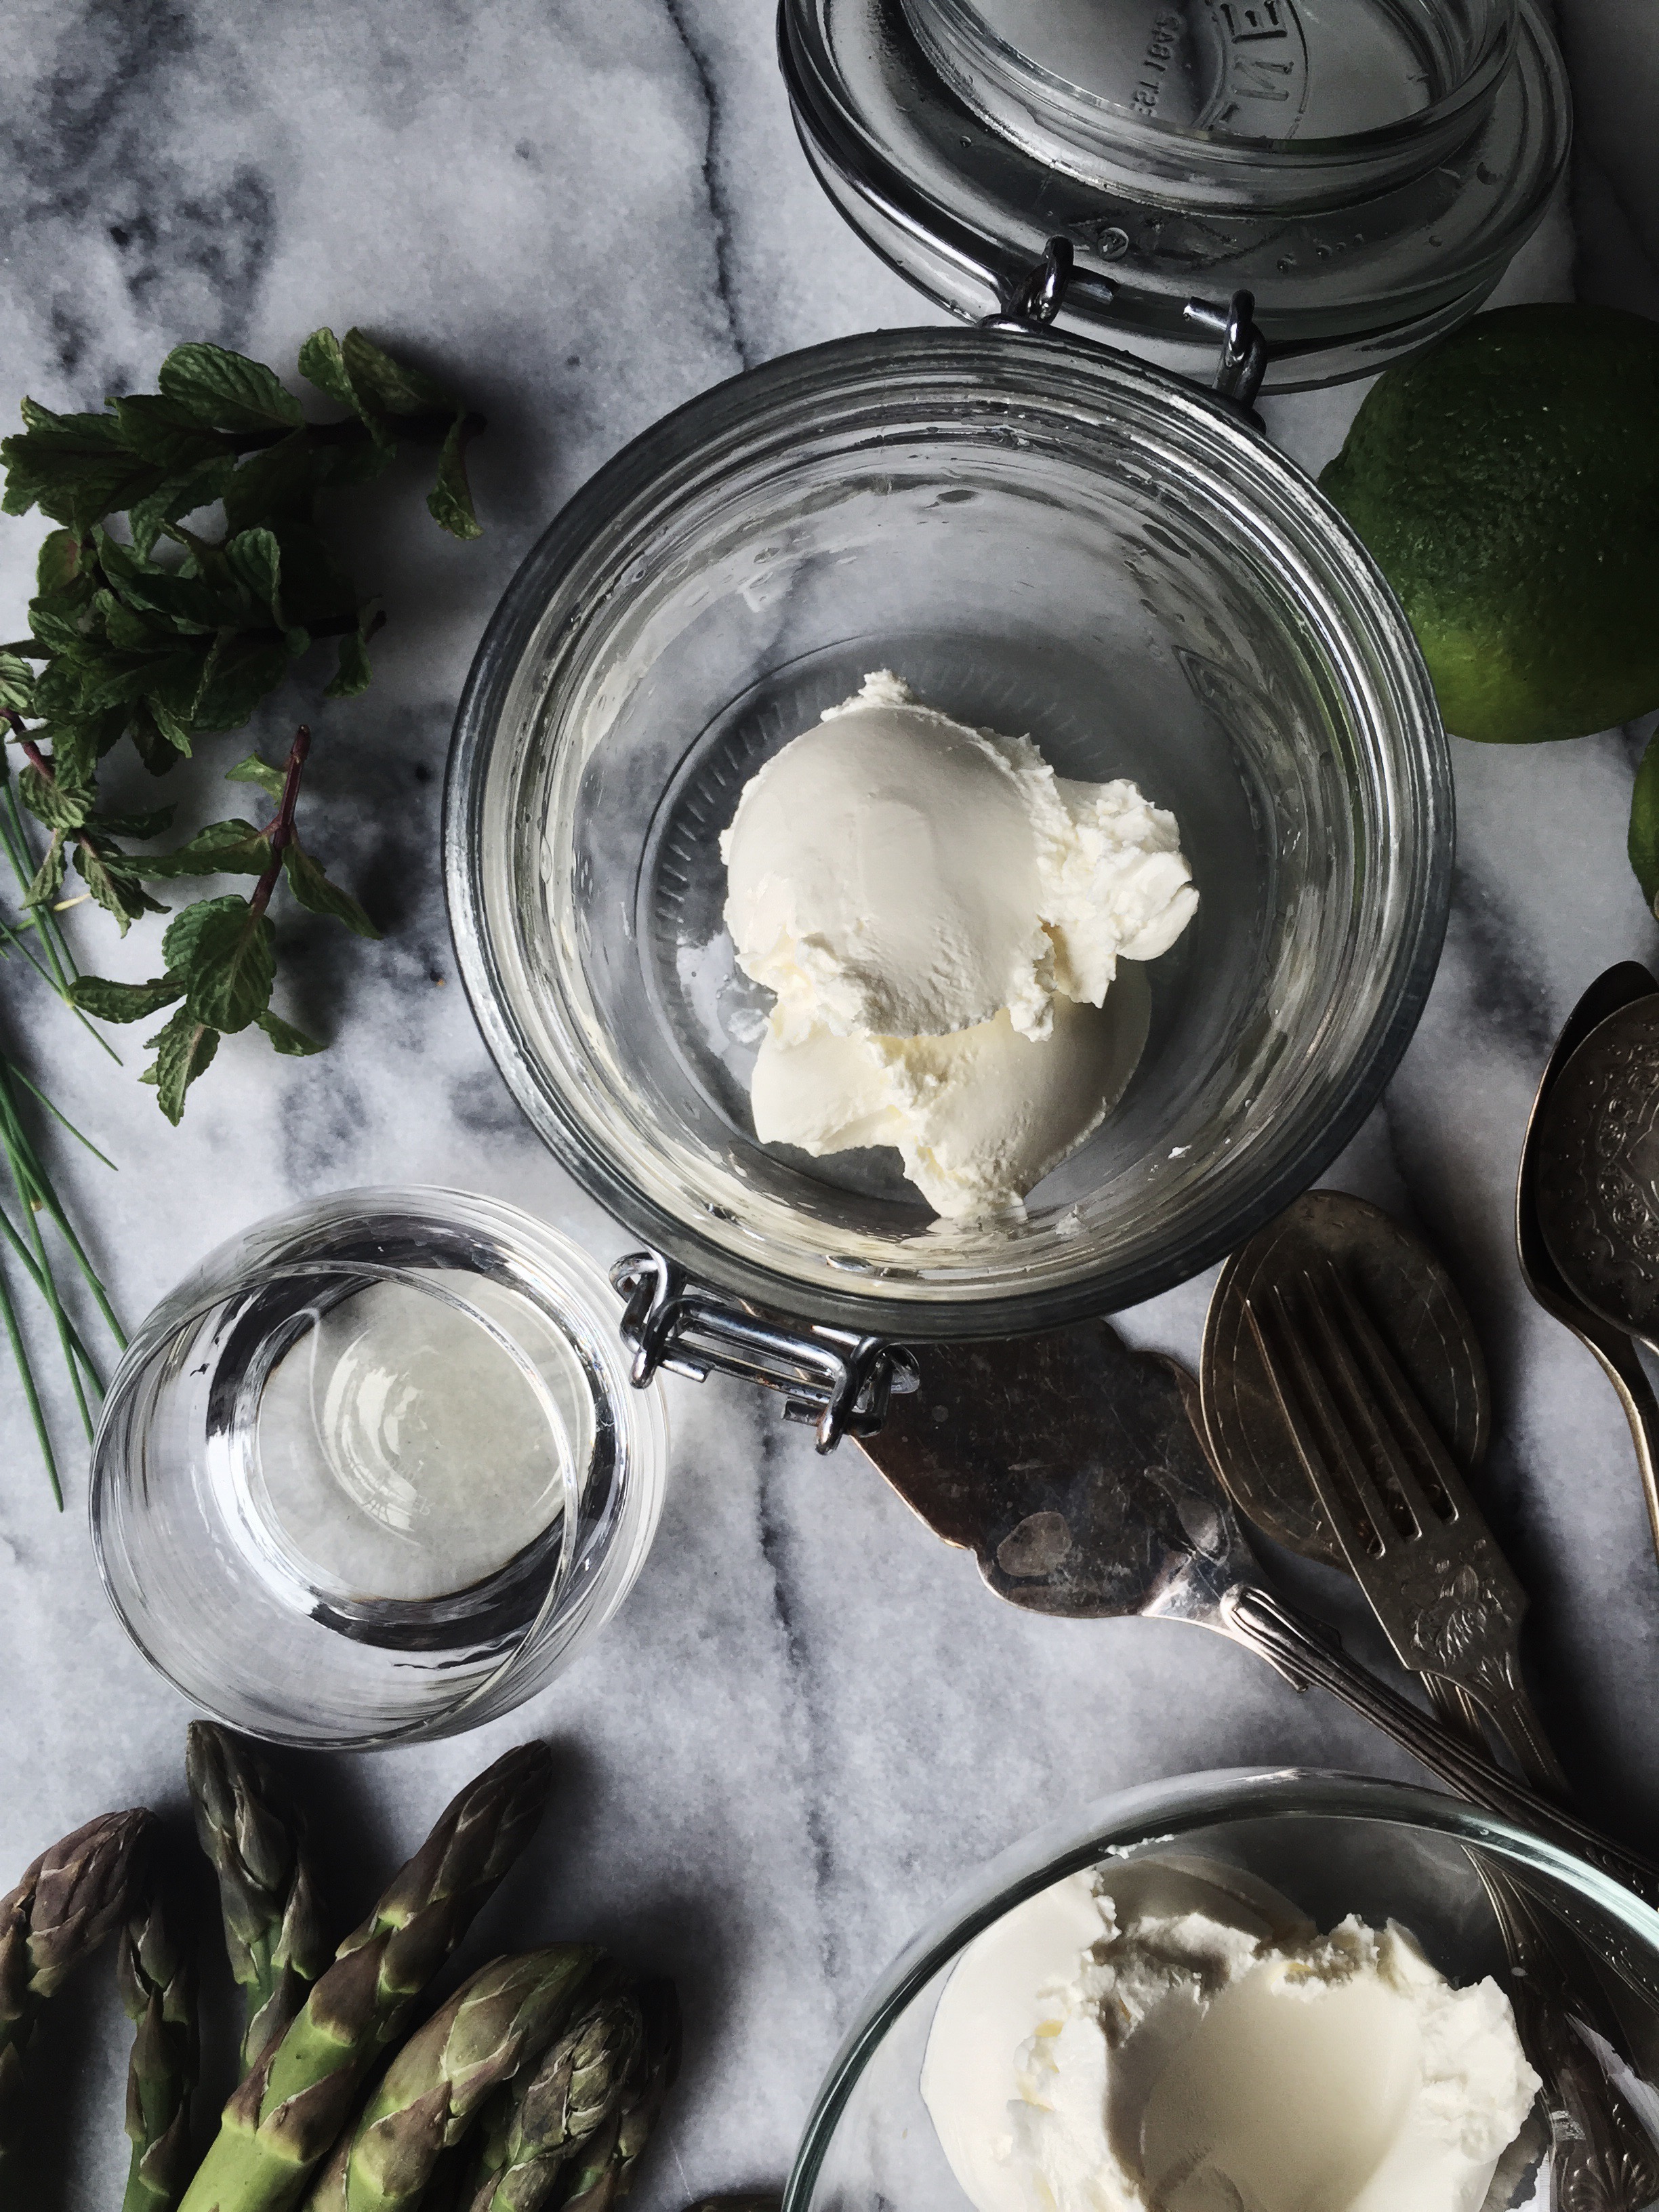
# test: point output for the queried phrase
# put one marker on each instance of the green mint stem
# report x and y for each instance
(282, 829)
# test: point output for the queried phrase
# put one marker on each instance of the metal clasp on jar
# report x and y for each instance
(1034, 303)
(835, 1379)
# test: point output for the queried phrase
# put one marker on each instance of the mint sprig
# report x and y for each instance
(162, 635)
(221, 953)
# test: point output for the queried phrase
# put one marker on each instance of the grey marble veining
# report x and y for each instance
(810, 1721)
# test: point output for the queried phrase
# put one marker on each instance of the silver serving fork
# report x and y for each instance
(1413, 1538)
(1452, 1608)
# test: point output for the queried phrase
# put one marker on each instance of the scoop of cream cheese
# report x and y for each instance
(978, 1116)
(941, 918)
(893, 872)
(1178, 2036)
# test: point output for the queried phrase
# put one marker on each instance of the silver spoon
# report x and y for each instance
(1071, 1467)
(1546, 1163)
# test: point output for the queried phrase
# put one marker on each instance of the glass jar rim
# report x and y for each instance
(637, 1414)
(1162, 1813)
(954, 31)
(578, 558)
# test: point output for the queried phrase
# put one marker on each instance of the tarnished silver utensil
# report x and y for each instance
(1386, 1487)
(1603, 1335)
(1070, 1467)
(1417, 1307)
(1372, 1479)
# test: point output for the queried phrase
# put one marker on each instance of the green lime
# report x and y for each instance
(1507, 483)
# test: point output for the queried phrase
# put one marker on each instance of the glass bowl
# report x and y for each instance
(374, 1472)
(1040, 537)
(1333, 1844)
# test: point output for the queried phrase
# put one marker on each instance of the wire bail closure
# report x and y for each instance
(835, 1379)
(1034, 302)
(1244, 360)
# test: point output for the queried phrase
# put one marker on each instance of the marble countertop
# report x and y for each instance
(810, 1721)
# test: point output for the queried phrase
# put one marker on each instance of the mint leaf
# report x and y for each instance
(222, 848)
(323, 363)
(317, 896)
(286, 1038)
(151, 823)
(160, 430)
(231, 967)
(58, 562)
(49, 876)
(75, 468)
(228, 392)
(179, 493)
(108, 1001)
(257, 563)
(183, 1050)
(243, 665)
(16, 684)
(252, 770)
(184, 601)
(179, 943)
(103, 870)
(60, 805)
(353, 673)
(110, 678)
(397, 388)
(277, 485)
(450, 501)
(57, 622)
(74, 756)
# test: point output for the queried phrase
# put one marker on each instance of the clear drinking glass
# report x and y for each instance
(374, 1471)
(1041, 538)
(1333, 1844)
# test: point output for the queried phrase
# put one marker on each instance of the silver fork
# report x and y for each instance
(1452, 1608)
(1447, 1598)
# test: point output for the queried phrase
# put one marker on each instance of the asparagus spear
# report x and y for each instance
(579, 2085)
(435, 2085)
(286, 2114)
(157, 1981)
(72, 1897)
(592, 2109)
(660, 2008)
(274, 1931)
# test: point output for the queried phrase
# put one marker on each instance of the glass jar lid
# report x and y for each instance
(1367, 169)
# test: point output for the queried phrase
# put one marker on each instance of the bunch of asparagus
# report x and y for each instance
(535, 2085)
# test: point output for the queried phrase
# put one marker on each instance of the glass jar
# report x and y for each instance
(1365, 168)
(374, 1473)
(1042, 536)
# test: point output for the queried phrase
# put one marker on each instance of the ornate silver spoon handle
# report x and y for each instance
(1304, 1651)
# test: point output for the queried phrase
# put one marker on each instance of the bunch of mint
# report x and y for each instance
(157, 637)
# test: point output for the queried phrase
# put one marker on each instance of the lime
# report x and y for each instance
(1507, 483)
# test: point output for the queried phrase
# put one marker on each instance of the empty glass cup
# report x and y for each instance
(375, 1472)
